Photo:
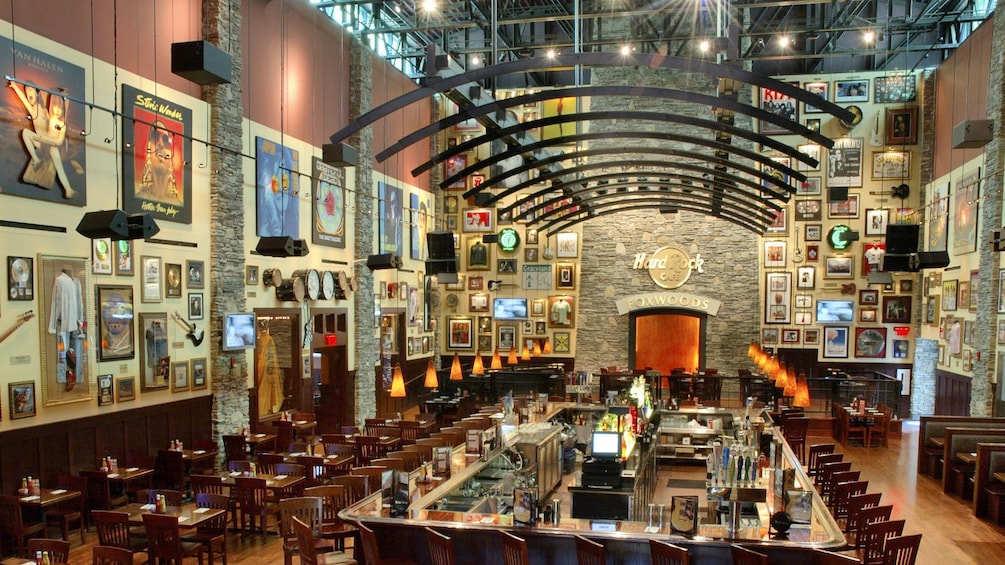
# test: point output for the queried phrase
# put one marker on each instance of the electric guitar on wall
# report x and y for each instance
(17, 324)
(874, 139)
(194, 333)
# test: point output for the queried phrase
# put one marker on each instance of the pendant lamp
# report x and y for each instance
(496, 361)
(537, 348)
(547, 346)
(525, 354)
(802, 397)
(511, 360)
(397, 383)
(432, 381)
(479, 366)
(455, 369)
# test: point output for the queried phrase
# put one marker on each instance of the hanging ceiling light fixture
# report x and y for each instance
(547, 346)
(496, 361)
(397, 383)
(479, 366)
(511, 359)
(432, 381)
(455, 369)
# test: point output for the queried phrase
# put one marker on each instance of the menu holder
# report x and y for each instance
(684, 514)
(799, 506)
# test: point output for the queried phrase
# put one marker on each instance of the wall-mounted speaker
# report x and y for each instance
(902, 238)
(339, 155)
(894, 263)
(104, 223)
(383, 261)
(282, 246)
(933, 259)
(440, 244)
(142, 226)
(201, 62)
(837, 194)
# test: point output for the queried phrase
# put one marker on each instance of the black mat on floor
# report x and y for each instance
(686, 483)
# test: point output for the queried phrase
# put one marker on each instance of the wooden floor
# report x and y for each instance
(951, 534)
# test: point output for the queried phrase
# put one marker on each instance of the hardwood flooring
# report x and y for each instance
(951, 533)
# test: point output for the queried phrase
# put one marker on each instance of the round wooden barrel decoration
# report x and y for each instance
(272, 277)
(291, 290)
(341, 286)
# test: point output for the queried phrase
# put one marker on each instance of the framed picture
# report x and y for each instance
(895, 88)
(803, 318)
(790, 336)
(769, 335)
(172, 280)
(809, 187)
(479, 255)
(561, 311)
(21, 278)
(459, 285)
(460, 333)
(813, 253)
(123, 257)
(476, 283)
(125, 389)
(813, 151)
(778, 289)
(530, 254)
(452, 166)
(968, 360)
(813, 124)
(1001, 291)
(901, 126)
(106, 395)
(451, 204)
(478, 302)
(506, 337)
(154, 359)
(891, 165)
(870, 342)
(568, 245)
(867, 315)
(180, 377)
(804, 301)
(932, 310)
(779, 225)
(852, 90)
(949, 289)
(684, 514)
(844, 163)
(806, 279)
(484, 324)
(115, 323)
(63, 342)
(562, 342)
(781, 105)
(195, 274)
(21, 399)
(896, 309)
(475, 181)
(251, 275)
(868, 297)
(975, 289)
(839, 267)
(506, 266)
(846, 209)
(101, 256)
(528, 329)
(540, 328)
(963, 296)
(477, 220)
(811, 337)
(565, 276)
(905, 286)
(809, 210)
(531, 236)
(152, 279)
(484, 343)
(814, 232)
(876, 221)
(452, 224)
(195, 306)
(774, 253)
(819, 88)
(965, 211)
(835, 342)
(537, 307)
(199, 381)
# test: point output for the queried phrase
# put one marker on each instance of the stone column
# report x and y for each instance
(221, 27)
(360, 95)
(926, 358)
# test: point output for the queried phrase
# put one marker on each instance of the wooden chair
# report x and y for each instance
(205, 466)
(211, 484)
(425, 452)
(99, 492)
(235, 448)
(821, 557)
(663, 553)
(171, 497)
(11, 523)
(239, 466)
(114, 530)
(169, 471)
(411, 459)
(743, 556)
(253, 504)
(316, 470)
(334, 498)
(109, 555)
(290, 470)
(356, 486)
(371, 551)
(65, 515)
(901, 550)
(880, 429)
(869, 516)
(514, 549)
(795, 435)
(284, 432)
(441, 549)
(816, 450)
(212, 534)
(409, 431)
(165, 543)
(309, 555)
(853, 426)
(367, 449)
(842, 492)
(267, 462)
(873, 539)
(823, 460)
(856, 504)
(59, 550)
(825, 483)
(373, 474)
(307, 509)
(390, 463)
(589, 552)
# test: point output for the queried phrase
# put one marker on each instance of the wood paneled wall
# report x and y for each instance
(47, 450)
(952, 394)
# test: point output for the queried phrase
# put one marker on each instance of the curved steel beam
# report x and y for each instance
(765, 208)
(601, 59)
(567, 139)
(734, 205)
(759, 173)
(608, 164)
(624, 90)
(609, 208)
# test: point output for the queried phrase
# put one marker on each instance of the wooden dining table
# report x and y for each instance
(967, 457)
(125, 476)
(272, 482)
(999, 476)
(256, 441)
(49, 497)
(189, 516)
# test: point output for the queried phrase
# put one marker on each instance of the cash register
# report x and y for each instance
(602, 469)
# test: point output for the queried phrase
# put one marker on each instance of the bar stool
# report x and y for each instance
(795, 434)
(371, 551)
(514, 549)
(589, 552)
(816, 450)
(663, 553)
(441, 548)
(901, 550)
(743, 556)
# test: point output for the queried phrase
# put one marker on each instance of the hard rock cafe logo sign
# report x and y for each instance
(669, 267)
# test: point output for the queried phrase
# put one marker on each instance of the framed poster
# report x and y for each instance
(195, 306)
(804, 301)
(901, 126)
(179, 376)
(684, 514)
(870, 342)
(779, 224)
(172, 280)
(452, 166)
(565, 276)
(277, 201)
(949, 296)
(150, 279)
(562, 341)
(835, 342)
(774, 253)
(195, 274)
(64, 336)
(932, 310)
(813, 151)
(891, 165)
(868, 297)
(106, 395)
(484, 324)
(115, 323)
(125, 389)
(896, 309)
(155, 362)
(199, 381)
(806, 279)
(460, 333)
(814, 232)
(839, 267)
(845, 163)
(803, 318)
(21, 399)
(809, 210)
(811, 337)
(846, 209)
(975, 289)
(781, 105)
(478, 302)
(20, 278)
(790, 336)
(123, 257)
(251, 275)
(938, 218)
(852, 90)
(809, 187)
(963, 295)
(819, 88)
(390, 223)
(506, 266)
(477, 220)
(101, 256)
(1001, 291)
(328, 204)
(769, 336)
(867, 315)
(506, 337)
(876, 221)
(420, 212)
(568, 245)
(895, 88)
(537, 307)
(965, 212)
(778, 291)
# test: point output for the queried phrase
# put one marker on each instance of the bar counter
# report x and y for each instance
(475, 533)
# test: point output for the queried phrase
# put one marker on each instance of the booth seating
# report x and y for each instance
(959, 457)
(931, 435)
(989, 488)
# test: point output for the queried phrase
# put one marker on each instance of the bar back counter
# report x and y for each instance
(470, 508)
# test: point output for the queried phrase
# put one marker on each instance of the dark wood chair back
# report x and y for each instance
(235, 448)
(873, 538)
(59, 550)
(211, 484)
(589, 552)
(164, 541)
(743, 556)
(901, 550)
(663, 553)
(441, 548)
(284, 432)
(109, 555)
(169, 470)
(114, 530)
(514, 549)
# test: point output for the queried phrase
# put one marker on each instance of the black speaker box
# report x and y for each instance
(837, 194)
(933, 259)
(440, 266)
(902, 238)
(200, 62)
(142, 226)
(281, 246)
(300, 248)
(482, 198)
(440, 244)
(383, 261)
(897, 263)
(104, 223)
(339, 154)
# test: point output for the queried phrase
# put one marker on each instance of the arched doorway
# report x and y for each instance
(665, 339)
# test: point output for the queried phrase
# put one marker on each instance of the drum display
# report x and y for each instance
(291, 290)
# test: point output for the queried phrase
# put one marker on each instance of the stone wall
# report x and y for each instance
(731, 254)
(926, 356)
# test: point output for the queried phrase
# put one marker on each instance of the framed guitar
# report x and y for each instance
(192, 331)
(17, 324)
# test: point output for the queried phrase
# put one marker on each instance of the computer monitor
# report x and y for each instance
(605, 445)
